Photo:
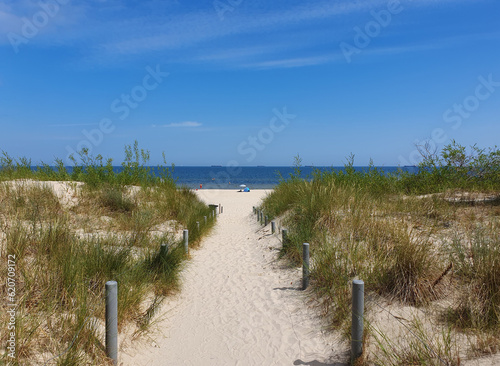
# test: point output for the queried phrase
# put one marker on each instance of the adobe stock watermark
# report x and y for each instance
(121, 107)
(11, 306)
(31, 26)
(223, 6)
(255, 144)
(454, 118)
(372, 29)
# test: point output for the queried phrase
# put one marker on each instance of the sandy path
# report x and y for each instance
(238, 306)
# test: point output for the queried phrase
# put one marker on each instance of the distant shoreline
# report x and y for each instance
(230, 178)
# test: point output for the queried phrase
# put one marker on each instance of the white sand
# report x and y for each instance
(66, 192)
(238, 305)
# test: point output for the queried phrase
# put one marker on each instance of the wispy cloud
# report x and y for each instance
(186, 124)
(184, 30)
(288, 39)
(8, 21)
(292, 62)
(186, 35)
(179, 27)
(19, 17)
(436, 44)
(73, 124)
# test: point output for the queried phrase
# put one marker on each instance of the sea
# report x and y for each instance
(256, 177)
(260, 177)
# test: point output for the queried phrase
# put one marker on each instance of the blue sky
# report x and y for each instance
(248, 82)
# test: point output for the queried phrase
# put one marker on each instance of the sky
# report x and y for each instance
(248, 82)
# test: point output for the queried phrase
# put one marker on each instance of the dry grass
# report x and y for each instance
(402, 247)
(66, 252)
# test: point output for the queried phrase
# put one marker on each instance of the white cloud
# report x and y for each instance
(436, 44)
(112, 30)
(47, 21)
(73, 124)
(293, 62)
(8, 22)
(187, 124)
(184, 30)
(144, 32)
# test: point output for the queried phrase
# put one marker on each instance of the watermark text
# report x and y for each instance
(121, 107)
(11, 306)
(31, 26)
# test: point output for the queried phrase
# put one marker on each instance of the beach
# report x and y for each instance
(233, 300)
(239, 304)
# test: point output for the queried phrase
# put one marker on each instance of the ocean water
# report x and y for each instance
(253, 177)
(260, 177)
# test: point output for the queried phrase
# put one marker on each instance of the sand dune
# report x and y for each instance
(238, 305)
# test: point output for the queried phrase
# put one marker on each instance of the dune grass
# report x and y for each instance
(407, 237)
(419, 346)
(65, 253)
(476, 257)
(94, 171)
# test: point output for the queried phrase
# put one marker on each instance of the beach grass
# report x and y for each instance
(111, 228)
(414, 239)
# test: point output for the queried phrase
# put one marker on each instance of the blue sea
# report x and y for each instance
(261, 177)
